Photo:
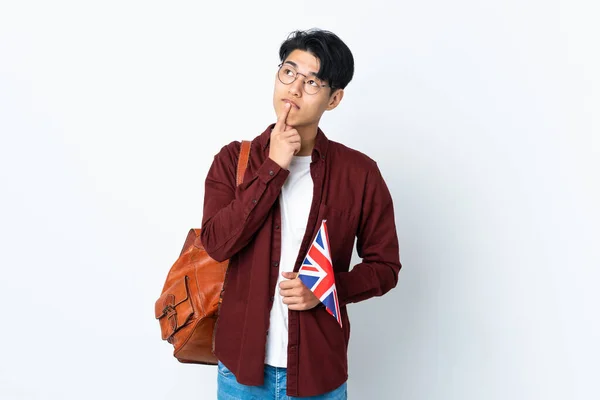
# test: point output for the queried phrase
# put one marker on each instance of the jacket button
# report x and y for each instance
(271, 173)
(276, 264)
(272, 299)
(254, 201)
(276, 226)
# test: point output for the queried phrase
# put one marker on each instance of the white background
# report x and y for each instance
(483, 117)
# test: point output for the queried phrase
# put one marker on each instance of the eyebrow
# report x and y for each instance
(293, 64)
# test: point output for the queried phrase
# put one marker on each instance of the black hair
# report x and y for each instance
(335, 58)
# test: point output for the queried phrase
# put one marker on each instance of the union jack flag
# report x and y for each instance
(316, 273)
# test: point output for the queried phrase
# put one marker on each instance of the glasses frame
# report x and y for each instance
(296, 77)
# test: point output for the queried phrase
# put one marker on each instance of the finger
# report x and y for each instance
(290, 284)
(298, 306)
(296, 145)
(290, 292)
(293, 300)
(290, 134)
(280, 124)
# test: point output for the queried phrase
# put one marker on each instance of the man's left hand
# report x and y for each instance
(295, 293)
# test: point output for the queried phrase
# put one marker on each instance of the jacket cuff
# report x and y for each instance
(271, 171)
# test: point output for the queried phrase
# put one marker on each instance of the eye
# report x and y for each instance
(289, 72)
(312, 83)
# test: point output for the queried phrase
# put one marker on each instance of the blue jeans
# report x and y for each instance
(228, 387)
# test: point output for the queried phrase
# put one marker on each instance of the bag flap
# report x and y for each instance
(174, 307)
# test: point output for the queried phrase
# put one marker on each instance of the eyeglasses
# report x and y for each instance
(287, 75)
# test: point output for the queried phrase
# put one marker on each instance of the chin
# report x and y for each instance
(296, 123)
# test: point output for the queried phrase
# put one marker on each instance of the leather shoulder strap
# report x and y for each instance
(243, 161)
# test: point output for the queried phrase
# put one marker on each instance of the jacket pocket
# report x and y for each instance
(341, 230)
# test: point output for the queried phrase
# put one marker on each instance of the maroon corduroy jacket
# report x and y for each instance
(243, 224)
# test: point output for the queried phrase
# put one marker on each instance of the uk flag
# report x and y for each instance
(316, 273)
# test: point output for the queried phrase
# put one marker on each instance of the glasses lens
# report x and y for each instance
(312, 85)
(287, 74)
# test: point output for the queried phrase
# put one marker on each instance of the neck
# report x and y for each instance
(307, 139)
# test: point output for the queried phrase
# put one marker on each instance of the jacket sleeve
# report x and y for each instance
(377, 245)
(233, 214)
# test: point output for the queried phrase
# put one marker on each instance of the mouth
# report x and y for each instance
(291, 102)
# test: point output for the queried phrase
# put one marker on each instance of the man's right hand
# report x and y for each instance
(285, 140)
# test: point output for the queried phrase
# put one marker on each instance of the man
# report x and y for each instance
(274, 338)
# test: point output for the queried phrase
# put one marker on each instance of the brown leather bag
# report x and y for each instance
(188, 307)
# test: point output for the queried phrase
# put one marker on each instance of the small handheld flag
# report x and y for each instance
(316, 272)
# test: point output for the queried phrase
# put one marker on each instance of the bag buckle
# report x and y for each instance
(169, 310)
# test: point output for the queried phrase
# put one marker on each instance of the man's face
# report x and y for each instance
(306, 109)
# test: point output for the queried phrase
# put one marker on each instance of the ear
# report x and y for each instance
(335, 98)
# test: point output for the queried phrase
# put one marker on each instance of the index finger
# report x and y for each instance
(282, 117)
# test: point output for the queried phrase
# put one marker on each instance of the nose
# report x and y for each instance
(295, 88)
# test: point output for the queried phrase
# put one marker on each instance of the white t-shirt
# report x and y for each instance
(295, 200)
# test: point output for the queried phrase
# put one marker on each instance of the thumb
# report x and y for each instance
(289, 275)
